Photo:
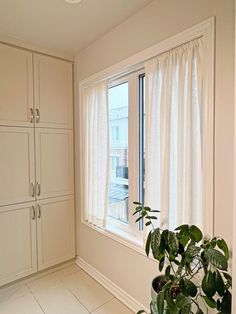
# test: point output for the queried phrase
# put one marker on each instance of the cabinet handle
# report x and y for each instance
(37, 115)
(38, 188)
(39, 212)
(34, 213)
(31, 115)
(32, 189)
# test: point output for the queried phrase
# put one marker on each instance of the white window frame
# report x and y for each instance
(133, 155)
(205, 30)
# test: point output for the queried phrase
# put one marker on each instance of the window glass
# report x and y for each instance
(118, 99)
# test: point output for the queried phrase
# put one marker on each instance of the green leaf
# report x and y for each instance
(182, 228)
(220, 286)
(190, 288)
(192, 250)
(226, 303)
(155, 243)
(183, 234)
(167, 272)
(148, 223)
(139, 218)
(151, 217)
(170, 303)
(181, 300)
(137, 203)
(147, 208)
(161, 263)
(223, 246)
(141, 311)
(217, 259)
(173, 243)
(210, 302)
(148, 243)
(186, 309)
(160, 302)
(154, 211)
(218, 305)
(182, 285)
(209, 284)
(196, 232)
(137, 210)
(228, 278)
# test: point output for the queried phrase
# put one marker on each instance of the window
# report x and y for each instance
(118, 103)
(126, 125)
(115, 133)
(155, 141)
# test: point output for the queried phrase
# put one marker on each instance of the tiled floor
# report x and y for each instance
(68, 290)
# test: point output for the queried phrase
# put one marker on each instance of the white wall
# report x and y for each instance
(157, 21)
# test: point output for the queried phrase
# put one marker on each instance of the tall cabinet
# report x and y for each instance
(37, 226)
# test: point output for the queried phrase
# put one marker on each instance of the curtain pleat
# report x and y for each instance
(173, 156)
(94, 153)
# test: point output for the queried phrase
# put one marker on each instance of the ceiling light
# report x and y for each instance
(73, 1)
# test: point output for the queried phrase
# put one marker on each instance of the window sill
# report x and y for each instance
(120, 236)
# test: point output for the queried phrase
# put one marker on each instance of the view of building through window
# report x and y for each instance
(118, 129)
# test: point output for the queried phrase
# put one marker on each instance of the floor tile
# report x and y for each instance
(23, 305)
(59, 300)
(113, 307)
(13, 292)
(67, 271)
(43, 283)
(87, 290)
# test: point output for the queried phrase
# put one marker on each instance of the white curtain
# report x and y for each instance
(173, 145)
(94, 154)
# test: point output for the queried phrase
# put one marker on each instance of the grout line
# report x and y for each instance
(103, 304)
(77, 298)
(38, 302)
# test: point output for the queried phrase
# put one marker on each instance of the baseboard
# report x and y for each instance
(119, 293)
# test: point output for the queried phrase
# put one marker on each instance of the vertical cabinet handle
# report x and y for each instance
(39, 211)
(31, 115)
(32, 189)
(34, 213)
(38, 188)
(37, 115)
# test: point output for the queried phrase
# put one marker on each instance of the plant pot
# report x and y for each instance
(154, 294)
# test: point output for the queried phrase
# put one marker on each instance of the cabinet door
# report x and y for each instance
(54, 162)
(56, 231)
(18, 256)
(53, 92)
(16, 165)
(16, 86)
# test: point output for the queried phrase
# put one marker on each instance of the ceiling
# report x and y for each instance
(68, 28)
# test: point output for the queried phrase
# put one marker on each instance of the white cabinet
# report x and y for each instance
(54, 162)
(17, 242)
(36, 163)
(16, 165)
(53, 94)
(16, 86)
(56, 231)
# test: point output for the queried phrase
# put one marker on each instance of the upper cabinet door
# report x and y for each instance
(16, 165)
(54, 162)
(16, 87)
(53, 92)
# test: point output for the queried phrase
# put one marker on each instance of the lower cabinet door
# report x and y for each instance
(18, 254)
(56, 231)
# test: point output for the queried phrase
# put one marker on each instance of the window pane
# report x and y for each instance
(118, 129)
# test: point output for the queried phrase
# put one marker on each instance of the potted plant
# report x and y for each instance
(195, 270)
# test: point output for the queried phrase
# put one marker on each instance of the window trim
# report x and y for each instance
(135, 63)
(133, 152)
